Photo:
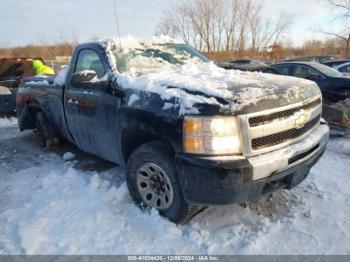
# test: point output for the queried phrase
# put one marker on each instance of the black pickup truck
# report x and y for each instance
(189, 133)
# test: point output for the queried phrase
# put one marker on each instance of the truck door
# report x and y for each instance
(91, 113)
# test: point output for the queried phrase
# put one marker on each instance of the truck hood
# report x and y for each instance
(192, 86)
(261, 91)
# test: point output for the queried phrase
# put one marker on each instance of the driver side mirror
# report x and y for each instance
(88, 79)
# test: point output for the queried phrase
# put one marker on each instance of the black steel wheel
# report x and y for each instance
(153, 182)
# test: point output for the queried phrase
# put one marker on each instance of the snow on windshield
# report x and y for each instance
(147, 58)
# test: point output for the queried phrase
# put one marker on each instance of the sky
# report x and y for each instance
(41, 21)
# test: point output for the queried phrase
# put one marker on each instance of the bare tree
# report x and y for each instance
(175, 22)
(230, 22)
(342, 7)
(215, 25)
(255, 22)
(201, 15)
(265, 32)
(244, 13)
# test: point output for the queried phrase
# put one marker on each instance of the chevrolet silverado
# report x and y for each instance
(190, 134)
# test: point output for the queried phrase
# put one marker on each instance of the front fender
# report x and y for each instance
(139, 127)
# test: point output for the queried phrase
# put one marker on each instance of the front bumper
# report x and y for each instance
(228, 180)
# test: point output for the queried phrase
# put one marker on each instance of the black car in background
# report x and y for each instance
(335, 63)
(333, 84)
(317, 58)
(335, 88)
(244, 65)
(12, 71)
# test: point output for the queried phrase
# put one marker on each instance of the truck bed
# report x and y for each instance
(49, 96)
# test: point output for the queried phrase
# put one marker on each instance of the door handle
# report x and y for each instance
(73, 102)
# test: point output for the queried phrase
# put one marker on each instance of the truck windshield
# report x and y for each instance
(150, 58)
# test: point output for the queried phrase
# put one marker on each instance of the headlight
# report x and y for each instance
(4, 90)
(211, 135)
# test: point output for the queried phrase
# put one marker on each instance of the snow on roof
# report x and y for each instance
(132, 42)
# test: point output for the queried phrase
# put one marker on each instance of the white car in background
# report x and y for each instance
(344, 68)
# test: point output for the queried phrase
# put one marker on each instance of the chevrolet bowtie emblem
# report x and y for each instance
(301, 120)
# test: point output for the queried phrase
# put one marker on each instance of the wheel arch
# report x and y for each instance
(133, 138)
(26, 115)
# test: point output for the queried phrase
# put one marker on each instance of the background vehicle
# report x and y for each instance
(344, 68)
(190, 136)
(12, 71)
(244, 65)
(335, 88)
(319, 58)
(335, 63)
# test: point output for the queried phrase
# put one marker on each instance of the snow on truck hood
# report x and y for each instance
(205, 83)
(239, 88)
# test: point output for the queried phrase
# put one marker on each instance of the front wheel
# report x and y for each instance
(152, 181)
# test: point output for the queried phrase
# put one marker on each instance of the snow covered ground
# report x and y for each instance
(80, 205)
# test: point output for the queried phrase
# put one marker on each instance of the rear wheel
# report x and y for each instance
(46, 134)
(153, 182)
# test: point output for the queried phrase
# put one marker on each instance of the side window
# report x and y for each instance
(89, 60)
(345, 69)
(303, 71)
(283, 70)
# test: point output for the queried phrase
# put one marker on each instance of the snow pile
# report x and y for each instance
(7, 122)
(68, 156)
(80, 213)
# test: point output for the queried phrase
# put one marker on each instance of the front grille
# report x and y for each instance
(263, 119)
(279, 138)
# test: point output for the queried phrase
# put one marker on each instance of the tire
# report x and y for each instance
(46, 134)
(165, 184)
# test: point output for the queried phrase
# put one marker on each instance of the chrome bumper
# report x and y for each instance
(279, 160)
